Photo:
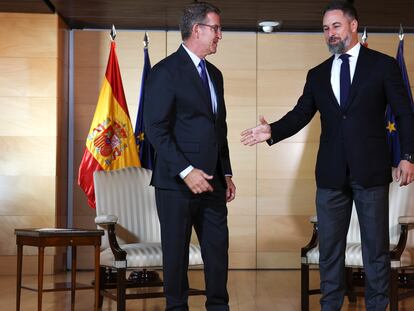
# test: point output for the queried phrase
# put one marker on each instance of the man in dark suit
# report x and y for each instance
(351, 91)
(185, 119)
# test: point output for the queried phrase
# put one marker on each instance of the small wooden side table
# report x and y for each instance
(45, 237)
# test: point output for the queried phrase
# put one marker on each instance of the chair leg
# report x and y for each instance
(394, 290)
(102, 278)
(304, 287)
(120, 297)
(349, 285)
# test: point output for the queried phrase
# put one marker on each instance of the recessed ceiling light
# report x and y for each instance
(268, 26)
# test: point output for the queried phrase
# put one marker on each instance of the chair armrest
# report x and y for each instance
(313, 219)
(406, 223)
(106, 219)
(406, 220)
(108, 222)
(314, 239)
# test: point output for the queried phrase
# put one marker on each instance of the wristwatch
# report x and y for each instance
(409, 157)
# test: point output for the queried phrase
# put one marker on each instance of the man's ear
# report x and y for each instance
(354, 26)
(195, 30)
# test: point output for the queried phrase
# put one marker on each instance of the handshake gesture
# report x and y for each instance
(258, 134)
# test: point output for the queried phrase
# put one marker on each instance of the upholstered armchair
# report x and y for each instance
(401, 252)
(126, 209)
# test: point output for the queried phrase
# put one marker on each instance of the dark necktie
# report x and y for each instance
(204, 77)
(345, 79)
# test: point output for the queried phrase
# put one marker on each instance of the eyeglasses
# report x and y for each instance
(215, 28)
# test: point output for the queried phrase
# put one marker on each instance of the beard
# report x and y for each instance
(338, 48)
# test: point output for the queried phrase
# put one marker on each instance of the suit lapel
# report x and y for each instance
(362, 71)
(194, 79)
(217, 91)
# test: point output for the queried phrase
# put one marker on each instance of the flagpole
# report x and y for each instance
(112, 33)
(365, 37)
(146, 40)
(401, 33)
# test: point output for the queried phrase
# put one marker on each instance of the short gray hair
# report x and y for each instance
(193, 14)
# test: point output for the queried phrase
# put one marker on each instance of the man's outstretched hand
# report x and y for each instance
(258, 134)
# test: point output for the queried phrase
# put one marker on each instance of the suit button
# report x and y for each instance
(344, 117)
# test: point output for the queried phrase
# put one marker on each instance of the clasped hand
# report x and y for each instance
(197, 181)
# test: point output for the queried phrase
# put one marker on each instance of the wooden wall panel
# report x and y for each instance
(29, 101)
(283, 61)
(31, 110)
(286, 196)
(28, 35)
(236, 58)
(10, 222)
(28, 77)
(290, 51)
(14, 159)
(20, 195)
(264, 75)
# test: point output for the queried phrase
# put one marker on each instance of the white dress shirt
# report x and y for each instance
(336, 69)
(196, 60)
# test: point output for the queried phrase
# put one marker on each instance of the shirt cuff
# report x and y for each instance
(185, 172)
(270, 141)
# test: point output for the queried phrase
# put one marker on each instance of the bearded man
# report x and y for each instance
(351, 91)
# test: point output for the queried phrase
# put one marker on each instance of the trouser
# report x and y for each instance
(334, 209)
(178, 211)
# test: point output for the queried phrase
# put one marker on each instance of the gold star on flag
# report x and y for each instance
(391, 127)
(140, 136)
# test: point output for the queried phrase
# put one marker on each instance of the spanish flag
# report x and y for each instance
(110, 144)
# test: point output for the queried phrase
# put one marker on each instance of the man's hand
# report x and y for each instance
(405, 173)
(231, 189)
(197, 181)
(258, 134)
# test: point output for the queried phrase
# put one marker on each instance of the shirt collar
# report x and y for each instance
(354, 52)
(196, 60)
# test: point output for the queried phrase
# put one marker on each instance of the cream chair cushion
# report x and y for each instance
(127, 194)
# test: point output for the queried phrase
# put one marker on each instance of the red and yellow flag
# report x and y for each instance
(110, 143)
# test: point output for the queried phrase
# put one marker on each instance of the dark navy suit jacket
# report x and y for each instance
(354, 137)
(180, 123)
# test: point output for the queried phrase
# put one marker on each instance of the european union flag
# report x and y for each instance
(390, 124)
(145, 150)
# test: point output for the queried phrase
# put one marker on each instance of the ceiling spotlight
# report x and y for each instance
(269, 26)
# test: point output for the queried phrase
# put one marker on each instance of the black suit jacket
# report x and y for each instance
(354, 137)
(179, 121)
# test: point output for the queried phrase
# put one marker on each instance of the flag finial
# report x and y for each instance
(112, 34)
(401, 33)
(146, 40)
(364, 36)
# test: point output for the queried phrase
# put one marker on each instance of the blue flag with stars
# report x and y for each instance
(145, 150)
(390, 124)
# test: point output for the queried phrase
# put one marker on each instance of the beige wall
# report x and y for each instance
(32, 131)
(264, 74)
